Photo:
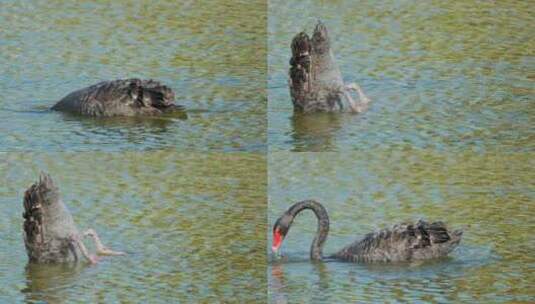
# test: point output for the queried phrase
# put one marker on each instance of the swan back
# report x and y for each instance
(403, 242)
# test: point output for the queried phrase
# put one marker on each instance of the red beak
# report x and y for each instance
(277, 240)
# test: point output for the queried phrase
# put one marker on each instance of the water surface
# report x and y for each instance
(193, 227)
(447, 75)
(212, 55)
(490, 196)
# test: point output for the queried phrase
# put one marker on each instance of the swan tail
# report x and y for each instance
(437, 240)
(35, 197)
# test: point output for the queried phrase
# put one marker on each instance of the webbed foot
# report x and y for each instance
(355, 87)
(362, 105)
(101, 249)
(77, 242)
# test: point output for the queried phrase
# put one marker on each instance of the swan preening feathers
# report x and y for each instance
(402, 242)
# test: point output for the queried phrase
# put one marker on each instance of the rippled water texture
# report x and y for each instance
(491, 197)
(193, 227)
(211, 54)
(448, 75)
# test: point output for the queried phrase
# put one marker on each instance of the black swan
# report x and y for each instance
(403, 242)
(50, 235)
(123, 97)
(316, 84)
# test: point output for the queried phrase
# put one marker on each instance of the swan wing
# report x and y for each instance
(402, 242)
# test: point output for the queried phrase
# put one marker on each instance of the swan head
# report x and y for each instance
(280, 229)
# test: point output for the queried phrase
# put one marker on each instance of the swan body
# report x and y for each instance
(123, 97)
(315, 81)
(402, 242)
(48, 224)
(50, 234)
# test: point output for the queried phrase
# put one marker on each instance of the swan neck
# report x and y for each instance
(316, 248)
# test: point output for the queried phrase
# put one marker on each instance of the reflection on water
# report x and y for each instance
(279, 284)
(489, 196)
(314, 132)
(211, 54)
(447, 75)
(346, 282)
(156, 131)
(50, 283)
(193, 227)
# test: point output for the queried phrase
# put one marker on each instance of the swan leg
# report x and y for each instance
(355, 107)
(101, 249)
(355, 87)
(76, 241)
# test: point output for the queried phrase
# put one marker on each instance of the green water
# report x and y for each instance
(449, 136)
(193, 227)
(211, 54)
(489, 196)
(445, 75)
